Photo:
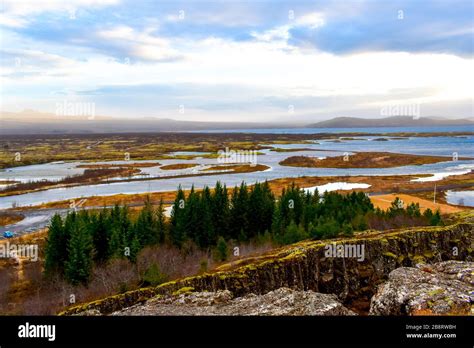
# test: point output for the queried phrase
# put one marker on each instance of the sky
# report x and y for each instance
(234, 60)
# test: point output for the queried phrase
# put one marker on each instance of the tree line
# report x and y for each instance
(211, 220)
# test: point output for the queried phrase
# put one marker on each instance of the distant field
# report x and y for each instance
(364, 160)
(384, 202)
(20, 150)
(179, 166)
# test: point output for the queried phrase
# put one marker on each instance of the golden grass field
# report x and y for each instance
(384, 202)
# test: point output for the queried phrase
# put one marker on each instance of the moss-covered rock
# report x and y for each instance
(443, 288)
(305, 266)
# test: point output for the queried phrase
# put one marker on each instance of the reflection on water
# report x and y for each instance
(465, 198)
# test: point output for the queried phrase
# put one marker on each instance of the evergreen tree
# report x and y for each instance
(220, 211)
(100, 236)
(239, 212)
(260, 209)
(428, 214)
(205, 234)
(413, 210)
(293, 233)
(145, 226)
(191, 216)
(116, 243)
(177, 226)
(160, 223)
(268, 207)
(222, 250)
(435, 220)
(79, 262)
(396, 208)
(135, 246)
(54, 250)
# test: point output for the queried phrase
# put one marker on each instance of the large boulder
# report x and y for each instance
(444, 288)
(282, 301)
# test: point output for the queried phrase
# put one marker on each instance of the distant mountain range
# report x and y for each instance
(394, 121)
(34, 122)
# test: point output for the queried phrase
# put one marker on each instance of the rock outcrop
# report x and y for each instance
(306, 266)
(282, 301)
(445, 288)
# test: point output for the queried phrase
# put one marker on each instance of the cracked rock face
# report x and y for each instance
(444, 288)
(282, 301)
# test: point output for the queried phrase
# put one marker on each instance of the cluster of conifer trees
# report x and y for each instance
(85, 237)
(209, 219)
(203, 217)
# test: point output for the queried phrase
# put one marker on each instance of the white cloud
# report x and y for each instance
(269, 65)
(279, 33)
(312, 20)
(12, 21)
(141, 45)
(282, 33)
(24, 8)
(18, 13)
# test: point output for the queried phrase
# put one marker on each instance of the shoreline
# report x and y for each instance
(382, 184)
(159, 146)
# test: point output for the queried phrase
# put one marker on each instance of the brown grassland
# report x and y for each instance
(9, 217)
(364, 160)
(179, 166)
(89, 176)
(121, 165)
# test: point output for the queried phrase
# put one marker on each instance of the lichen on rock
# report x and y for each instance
(279, 302)
(304, 266)
(445, 288)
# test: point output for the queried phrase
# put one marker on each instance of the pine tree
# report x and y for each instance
(160, 222)
(220, 211)
(79, 262)
(192, 218)
(135, 247)
(436, 220)
(413, 210)
(146, 226)
(222, 250)
(116, 238)
(177, 221)
(239, 212)
(205, 234)
(100, 235)
(428, 214)
(268, 206)
(396, 208)
(260, 209)
(293, 234)
(55, 250)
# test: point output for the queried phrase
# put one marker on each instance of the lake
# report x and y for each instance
(442, 146)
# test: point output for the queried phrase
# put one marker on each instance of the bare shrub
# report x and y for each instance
(5, 284)
(171, 261)
(115, 276)
(252, 248)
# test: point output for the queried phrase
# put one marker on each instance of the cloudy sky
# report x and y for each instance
(238, 60)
